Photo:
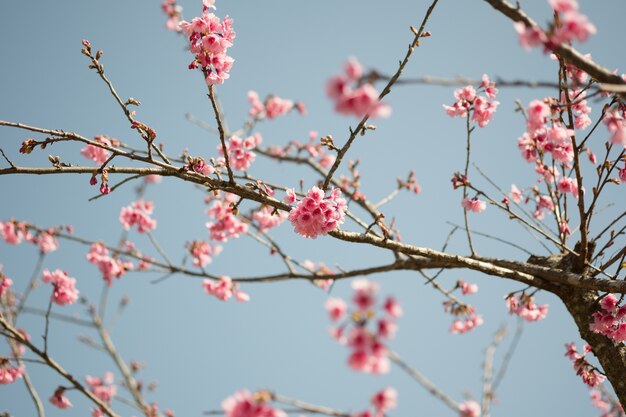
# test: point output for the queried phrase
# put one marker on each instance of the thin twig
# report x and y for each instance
(220, 128)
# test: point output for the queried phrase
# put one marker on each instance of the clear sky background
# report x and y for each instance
(200, 350)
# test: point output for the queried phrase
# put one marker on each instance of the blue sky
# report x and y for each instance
(200, 350)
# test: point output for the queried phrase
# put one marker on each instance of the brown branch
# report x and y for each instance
(18, 337)
(220, 128)
(566, 52)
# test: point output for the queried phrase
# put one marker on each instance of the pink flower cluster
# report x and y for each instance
(5, 283)
(268, 218)
(480, 108)
(573, 25)
(202, 252)
(13, 232)
(469, 409)
(64, 287)
(174, 15)
(584, 369)
(97, 154)
(245, 404)
(369, 353)
(610, 320)
(226, 225)
(473, 204)
(615, 123)
(360, 100)
(313, 148)
(273, 106)
(240, 155)
(103, 388)
(59, 399)
(555, 139)
(467, 319)
(316, 214)
(608, 406)
(466, 287)
(138, 214)
(319, 268)
(224, 289)
(110, 267)
(525, 307)
(9, 373)
(209, 40)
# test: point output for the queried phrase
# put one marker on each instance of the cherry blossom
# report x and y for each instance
(245, 404)
(525, 307)
(240, 155)
(469, 409)
(610, 320)
(5, 282)
(138, 214)
(480, 108)
(584, 369)
(467, 288)
(64, 291)
(224, 289)
(97, 154)
(316, 214)
(473, 204)
(209, 40)
(9, 373)
(202, 252)
(385, 400)
(103, 388)
(360, 101)
(59, 400)
(226, 225)
(268, 218)
(110, 267)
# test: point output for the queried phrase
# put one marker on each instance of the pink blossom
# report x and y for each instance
(173, 12)
(64, 287)
(467, 288)
(473, 204)
(616, 125)
(138, 214)
(353, 69)
(224, 289)
(290, 196)
(5, 282)
(153, 179)
(97, 154)
(276, 106)
(568, 185)
(103, 388)
(108, 266)
(336, 308)
(584, 369)
(574, 26)
(525, 307)
(357, 100)
(202, 252)
(489, 86)
(209, 41)
(268, 217)
(529, 36)
(469, 409)
(364, 293)
(47, 241)
(460, 326)
(564, 5)
(13, 232)
(622, 174)
(239, 152)
(386, 328)
(385, 400)
(318, 215)
(9, 373)
(226, 225)
(59, 399)
(244, 404)
(538, 113)
(610, 320)
(392, 307)
(515, 194)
